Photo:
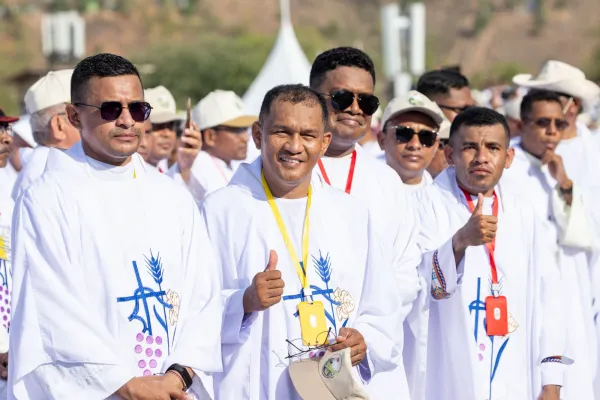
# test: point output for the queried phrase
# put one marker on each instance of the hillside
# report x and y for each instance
(502, 45)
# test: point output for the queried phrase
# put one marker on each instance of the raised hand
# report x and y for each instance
(266, 288)
(189, 147)
(556, 168)
(480, 229)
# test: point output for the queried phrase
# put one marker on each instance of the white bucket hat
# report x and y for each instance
(330, 377)
(560, 77)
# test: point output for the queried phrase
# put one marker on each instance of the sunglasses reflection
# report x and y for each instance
(342, 99)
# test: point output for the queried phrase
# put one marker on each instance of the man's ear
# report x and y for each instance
(448, 151)
(256, 134)
(209, 137)
(74, 116)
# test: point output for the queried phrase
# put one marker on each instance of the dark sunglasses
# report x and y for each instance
(404, 134)
(342, 99)
(111, 110)
(544, 123)
(457, 110)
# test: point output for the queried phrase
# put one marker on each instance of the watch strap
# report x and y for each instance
(183, 373)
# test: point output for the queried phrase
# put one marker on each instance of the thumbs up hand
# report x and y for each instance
(479, 229)
(266, 288)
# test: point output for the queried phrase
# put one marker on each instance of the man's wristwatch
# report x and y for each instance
(566, 191)
(183, 373)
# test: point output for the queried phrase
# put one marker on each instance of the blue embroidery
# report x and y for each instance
(4, 271)
(145, 294)
(324, 270)
(478, 305)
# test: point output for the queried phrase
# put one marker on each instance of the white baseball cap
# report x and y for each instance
(413, 101)
(50, 90)
(163, 105)
(330, 377)
(222, 108)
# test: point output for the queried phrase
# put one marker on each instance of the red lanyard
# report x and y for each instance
(350, 173)
(490, 246)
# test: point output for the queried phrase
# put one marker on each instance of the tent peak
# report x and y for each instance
(284, 10)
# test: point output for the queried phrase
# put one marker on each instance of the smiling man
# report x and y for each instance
(301, 265)
(496, 311)
(346, 77)
(543, 180)
(409, 137)
(93, 260)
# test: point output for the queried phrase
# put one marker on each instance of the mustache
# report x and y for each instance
(120, 131)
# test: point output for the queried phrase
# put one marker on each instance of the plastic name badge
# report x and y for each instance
(313, 323)
(496, 311)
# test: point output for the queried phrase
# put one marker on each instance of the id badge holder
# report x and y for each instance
(313, 324)
(496, 310)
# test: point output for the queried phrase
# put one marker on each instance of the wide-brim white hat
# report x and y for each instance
(560, 77)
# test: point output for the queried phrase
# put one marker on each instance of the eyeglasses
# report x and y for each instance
(6, 129)
(231, 129)
(298, 348)
(457, 110)
(111, 110)
(342, 99)
(544, 123)
(404, 134)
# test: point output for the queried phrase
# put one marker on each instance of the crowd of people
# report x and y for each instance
(443, 247)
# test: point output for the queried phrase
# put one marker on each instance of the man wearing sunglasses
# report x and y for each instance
(449, 89)
(224, 124)
(116, 289)
(495, 305)
(410, 137)
(540, 175)
(46, 102)
(346, 77)
(164, 119)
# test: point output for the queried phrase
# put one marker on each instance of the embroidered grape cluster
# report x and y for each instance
(5, 307)
(150, 352)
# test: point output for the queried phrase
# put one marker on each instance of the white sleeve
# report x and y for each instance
(572, 220)
(440, 272)
(50, 303)
(198, 341)
(195, 187)
(553, 335)
(379, 314)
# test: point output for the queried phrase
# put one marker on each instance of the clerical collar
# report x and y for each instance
(111, 172)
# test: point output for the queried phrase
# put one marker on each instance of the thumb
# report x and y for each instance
(272, 265)
(479, 208)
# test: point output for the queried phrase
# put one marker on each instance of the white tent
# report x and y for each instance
(286, 64)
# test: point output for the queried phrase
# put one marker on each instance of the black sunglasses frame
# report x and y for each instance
(108, 113)
(342, 99)
(404, 134)
(457, 110)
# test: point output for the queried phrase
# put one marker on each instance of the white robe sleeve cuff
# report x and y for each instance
(237, 323)
(571, 220)
(446, 276)
(552, 373)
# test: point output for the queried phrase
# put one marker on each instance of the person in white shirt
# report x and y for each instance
(224, 125)
(449, 89)
(541, 178)
(108, 292)
(303, 269)
(496, 317)
(8, 175)
(6, 213)
(346, 77)
(46, 102)
(410, 138)
(164, 119)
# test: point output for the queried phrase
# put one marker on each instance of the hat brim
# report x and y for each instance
(8, 120)
(438, 119)
(581, 89)
(307, 381)
(243, 121)
(164, 117)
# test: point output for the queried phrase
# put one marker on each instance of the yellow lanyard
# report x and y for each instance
(300, 268)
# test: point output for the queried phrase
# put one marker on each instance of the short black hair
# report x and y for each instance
(441, 81)
(479, 116)
(535, 96)
(101, 65)
(294, 94)
(339, 57)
